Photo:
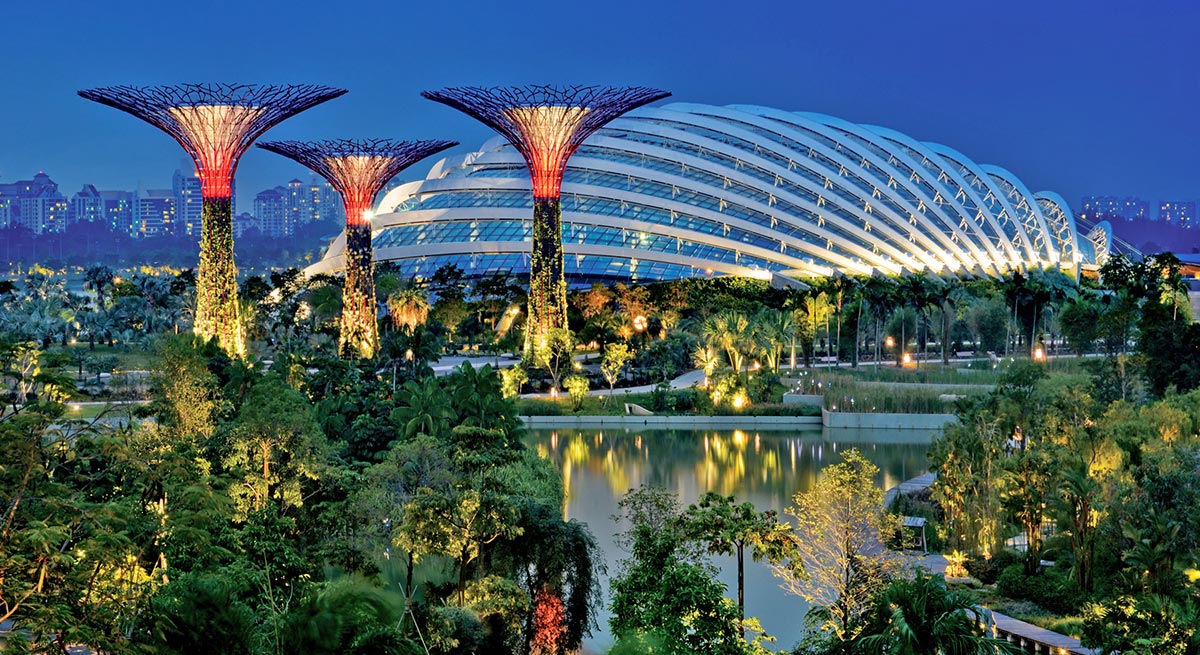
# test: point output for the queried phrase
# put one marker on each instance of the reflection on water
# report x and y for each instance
(766, 468)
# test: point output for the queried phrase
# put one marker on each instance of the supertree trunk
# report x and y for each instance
(215, 124)
(216, 281)
(358, 169)
(360, 330)
(547, 285)
(546, 124)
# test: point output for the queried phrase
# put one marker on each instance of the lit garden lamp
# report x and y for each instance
(546, 124)
(215, 124)
(358, 170)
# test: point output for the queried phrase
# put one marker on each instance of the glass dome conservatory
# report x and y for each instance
(688, 190)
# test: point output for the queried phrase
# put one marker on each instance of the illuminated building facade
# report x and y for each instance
(687, 190)
(1178, 212)
(153, 212)
(189, 202)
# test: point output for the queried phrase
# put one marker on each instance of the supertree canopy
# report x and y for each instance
(358, 169)
(546, 124)
(215, 124)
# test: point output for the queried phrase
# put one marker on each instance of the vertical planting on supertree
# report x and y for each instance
(358, 170)
(546, 124)
(215, 124)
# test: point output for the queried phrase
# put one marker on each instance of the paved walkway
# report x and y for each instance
(685, 381)
(1031, 638)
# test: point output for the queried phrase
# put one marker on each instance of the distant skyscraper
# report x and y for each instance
(35, 204)
(6, 212)
(1137, 209)
(1178, 212)
(45, 212)
(1113, 208)
(271, 210)
(243, 222)
(153, 213)
(295, 197)
(188, 203)
(87, 206)
(118, 210)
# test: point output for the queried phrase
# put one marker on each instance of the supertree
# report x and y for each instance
(215, 124)
(546, 124)
(358, 169)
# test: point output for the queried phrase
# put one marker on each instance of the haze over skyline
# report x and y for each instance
(1074, 97)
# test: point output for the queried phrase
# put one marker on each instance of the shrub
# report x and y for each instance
(1051, 589)
(988, 570)
(685, 400)
(577, 387)
(661, 399)
(534, 407)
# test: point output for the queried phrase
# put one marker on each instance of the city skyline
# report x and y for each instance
(1063, 109)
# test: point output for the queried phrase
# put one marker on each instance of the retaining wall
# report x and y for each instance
(673, 422)
(880, 421)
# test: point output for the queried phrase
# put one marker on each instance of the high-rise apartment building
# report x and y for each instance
(87, 206)
(271, 210)
(1113, 208)
(243, 222)
(153, 212)
(118, 210)
(46, 212)
(1178, 212)
(185, 186)
(35, 204)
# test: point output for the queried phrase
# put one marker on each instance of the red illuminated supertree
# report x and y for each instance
(546, 124)
(215, 124)
(358, 169)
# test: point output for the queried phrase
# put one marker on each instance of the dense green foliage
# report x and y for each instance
(291, 509)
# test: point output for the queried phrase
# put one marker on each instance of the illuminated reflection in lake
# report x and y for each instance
(764, 467)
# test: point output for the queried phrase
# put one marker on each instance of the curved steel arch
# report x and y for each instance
(760, 176)
(833, 178)
(822, 123)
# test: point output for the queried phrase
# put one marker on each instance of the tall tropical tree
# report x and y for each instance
(725, 527)
(97, 278)
(728, 332)
(841, 529)
(880, 293)
(773, 328)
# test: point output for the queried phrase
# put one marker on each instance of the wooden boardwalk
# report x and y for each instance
(1032, 639)
(909, 487)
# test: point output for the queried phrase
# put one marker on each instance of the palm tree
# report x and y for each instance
(424, 408)
(922, 617)
(97, 278)
(953, 294)
(920, 292)
(408, 308)
(842, 288)
(706, 358)
(772, 330)
(729, 332)
(880, 293)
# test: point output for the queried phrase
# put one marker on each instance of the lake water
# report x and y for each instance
(764, 467)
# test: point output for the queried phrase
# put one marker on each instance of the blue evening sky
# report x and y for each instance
(1076, 97)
